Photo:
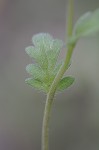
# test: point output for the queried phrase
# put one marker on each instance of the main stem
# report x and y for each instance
(50, 95)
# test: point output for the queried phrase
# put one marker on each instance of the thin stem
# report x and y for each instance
(45, 127)
(49, 100)
(50, 95)
(70, 18)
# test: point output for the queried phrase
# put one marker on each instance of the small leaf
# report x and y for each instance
(34, 83)
(42, 40)
(35, 71)
(65, 83)
(49, 49)
(33, 52)
(87, 25)
(37, 84)
(38, 56)
(45, 53)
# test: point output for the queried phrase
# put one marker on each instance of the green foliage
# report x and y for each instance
(65, 83)
(34, 82)
(37, 84)
(45, 52)
(87, 25)
(46, 69)
(36, 72)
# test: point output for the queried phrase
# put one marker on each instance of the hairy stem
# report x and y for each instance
(50, 95)
(49, 100)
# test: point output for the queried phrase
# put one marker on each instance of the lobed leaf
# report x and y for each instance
(49, 49)
(65, 83)
(45, 52)
(42, 40)
(33, 52)
(38, 56)
(34, 83)
(35, 71)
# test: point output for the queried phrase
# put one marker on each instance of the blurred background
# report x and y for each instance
(74, 124)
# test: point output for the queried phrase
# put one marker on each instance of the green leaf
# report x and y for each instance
(65, 83)
(45, 52)
(34, 83)
(87, 25)
(33, 52)
(38, 56)
(35, 71)
(49, 49)
(42, 40)
(53, 53)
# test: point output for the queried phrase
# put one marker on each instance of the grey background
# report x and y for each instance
(74, 124)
